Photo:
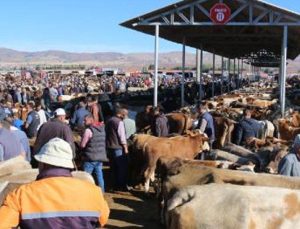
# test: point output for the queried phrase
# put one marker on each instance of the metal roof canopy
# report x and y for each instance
(263, 59)
(253, 26)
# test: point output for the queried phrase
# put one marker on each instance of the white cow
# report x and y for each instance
(234, 207)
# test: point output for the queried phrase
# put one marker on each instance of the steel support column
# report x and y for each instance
(198, 70)
(238, 74)
(234, 68)
(201, 71)
(213, 76)
(229, 77)
(222, 74)
(283, 69)
(242, 69)
(198, 65)
(156, 65)
(183, 72)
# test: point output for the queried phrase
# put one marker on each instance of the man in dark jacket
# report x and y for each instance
(55, 128)
(160, 126)
(32, 121)
(77, 120)
(116, 143)
(93, 147)
(247, 129)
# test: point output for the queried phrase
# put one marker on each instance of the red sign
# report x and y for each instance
(220, 13)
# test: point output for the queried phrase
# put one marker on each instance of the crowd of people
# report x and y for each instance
(104, 139)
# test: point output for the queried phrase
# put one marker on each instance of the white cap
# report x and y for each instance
(56, 152)
(59, 112)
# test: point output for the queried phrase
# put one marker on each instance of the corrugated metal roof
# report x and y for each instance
(240, 37)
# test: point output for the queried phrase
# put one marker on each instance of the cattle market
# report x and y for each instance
(173, 149)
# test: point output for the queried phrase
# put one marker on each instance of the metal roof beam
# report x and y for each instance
(203, 10)
(275, 18)
(244, 6)
(261, 16)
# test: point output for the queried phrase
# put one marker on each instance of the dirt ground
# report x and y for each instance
(132, 209)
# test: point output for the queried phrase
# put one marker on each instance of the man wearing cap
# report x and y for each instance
(54, 128)
(290, 164)
(55, 199)
(10, 146)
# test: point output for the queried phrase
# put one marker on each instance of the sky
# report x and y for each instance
(83, 25)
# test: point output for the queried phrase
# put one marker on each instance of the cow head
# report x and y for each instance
(200, 139)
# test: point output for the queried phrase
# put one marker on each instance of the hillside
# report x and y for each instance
(9, 57)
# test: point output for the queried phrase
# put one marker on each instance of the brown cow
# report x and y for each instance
(260, 103)
(287, 131)
(223, 131)
(179, 123)
(295, 119)
(186, 147)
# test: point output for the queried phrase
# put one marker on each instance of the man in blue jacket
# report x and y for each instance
(206, 123)
(247, 129)
(290, 164)
(206, 126)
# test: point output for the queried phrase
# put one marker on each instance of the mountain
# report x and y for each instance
(130, 61)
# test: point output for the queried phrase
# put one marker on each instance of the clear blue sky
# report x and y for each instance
(82, 25)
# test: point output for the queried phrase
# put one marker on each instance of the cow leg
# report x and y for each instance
(147, 180)
(229, 135)
(152, 176)
(147, 185)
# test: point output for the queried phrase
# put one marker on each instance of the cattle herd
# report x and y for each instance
(237, 188)
(219, 193)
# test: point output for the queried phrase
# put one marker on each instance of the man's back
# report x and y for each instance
(78, 117)
(53, 129)
(130, 127)
(10, 146)
(161, 126)
(112, 137)
(250, 127)
(55, 202)
(33, 121)
(247, 128)
(21, 135)
(289, 165)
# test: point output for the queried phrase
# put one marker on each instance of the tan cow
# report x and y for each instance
(232, 206)
(186, 147)
(295, 119)
(286, 130)
(179, 123)
(13, 165)
(223, 131)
